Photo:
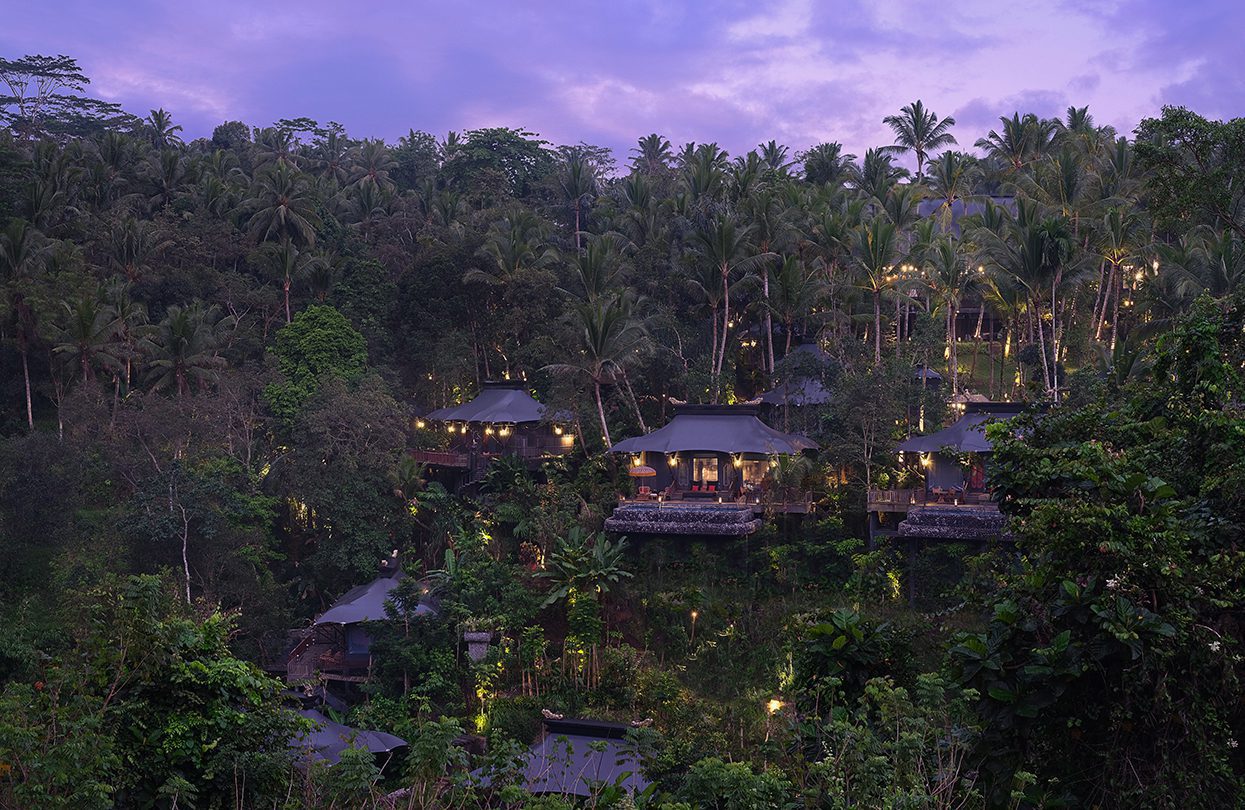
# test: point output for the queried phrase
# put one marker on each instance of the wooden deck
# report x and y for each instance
(786, 508)
(463, 461)
(902, 500)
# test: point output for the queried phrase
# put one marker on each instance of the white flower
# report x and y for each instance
(1214, 646)
(1113, 583)
(1231, 743)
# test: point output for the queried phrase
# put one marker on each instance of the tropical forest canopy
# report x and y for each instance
(216, 356)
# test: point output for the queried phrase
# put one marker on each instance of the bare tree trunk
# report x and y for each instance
(605, 429)
(635, 405)
(726, 320)
(286, 287)
(713, 354)
(877, 327)
(30, 414)
(769, 323)
(1042, 348)
(185, 549)
(1100, 297)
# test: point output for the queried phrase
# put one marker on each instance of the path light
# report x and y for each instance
(695, 615)
(774, 706)
(419, 424)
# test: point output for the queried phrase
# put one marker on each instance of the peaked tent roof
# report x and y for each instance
(797, 393)
(803, 390)
(716, 429)
(328, 739)
(366, 603)
(567, 761)
(497, 403)
(967, 435)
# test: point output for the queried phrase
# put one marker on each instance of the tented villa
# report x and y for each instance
(951, 501)
(502, 420)
(707, 472)
(337, 646)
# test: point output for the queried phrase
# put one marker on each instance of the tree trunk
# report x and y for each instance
(605, 430)
(285, 286)
(713, 353)
(635, 405)
(30, 413)
(769, 323)
(185, 549)
(877, 327)
(726, 319)
(1041, 333)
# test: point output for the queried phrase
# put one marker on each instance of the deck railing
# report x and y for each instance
(900, 500)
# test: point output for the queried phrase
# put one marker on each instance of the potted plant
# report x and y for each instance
(478, 635)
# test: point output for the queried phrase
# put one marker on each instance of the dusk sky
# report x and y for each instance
(607, 73)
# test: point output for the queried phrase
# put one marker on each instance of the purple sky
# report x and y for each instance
(610, 71)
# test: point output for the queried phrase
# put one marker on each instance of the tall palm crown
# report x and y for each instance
(283, 207)
(920, 131)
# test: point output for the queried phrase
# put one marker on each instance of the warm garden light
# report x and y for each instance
(774, 706)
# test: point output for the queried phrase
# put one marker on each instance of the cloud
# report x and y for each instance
(798, 71)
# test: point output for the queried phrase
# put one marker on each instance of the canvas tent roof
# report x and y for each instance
(716, 429)
(328, 739)
(967, 435)
(797, 393)
(366, 603)
(497, 403)
(804, 390)
(567, 760)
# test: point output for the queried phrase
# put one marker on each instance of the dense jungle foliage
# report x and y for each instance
(216, 353)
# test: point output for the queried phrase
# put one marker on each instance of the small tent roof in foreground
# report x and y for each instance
(716, 429)
(327, 739)
(575, 755)
(366, 603)
(498, 403)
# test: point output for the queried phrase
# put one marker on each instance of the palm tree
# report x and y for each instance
(1119, 244)
(513, 244)
(134, 245)
(826, 163)
(919, 131)
(129, 328)
(653, 155)
(372, 163)
(797, 290)
(20, 253)
(283, 208)
(162, 130)
(578, 183)
(726, 248)
(950, 279)
(597, 267)
(84, 334)
(878, 175)
(183, 348)
(951, 178)
(1021, 139)
(771, 225)
(874, 252)
(609, 337)
(288, 263)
